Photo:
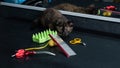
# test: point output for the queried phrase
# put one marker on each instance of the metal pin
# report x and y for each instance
(13, 55)
(46, 52)
(84, 44)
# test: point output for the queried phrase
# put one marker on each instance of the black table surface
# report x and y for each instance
(101, 51)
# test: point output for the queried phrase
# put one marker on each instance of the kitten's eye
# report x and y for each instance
(71, 25)
(59, 24)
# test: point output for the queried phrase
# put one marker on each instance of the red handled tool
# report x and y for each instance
(22, 53)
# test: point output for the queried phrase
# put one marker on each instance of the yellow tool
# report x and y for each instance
(51, 43)
(77, 41)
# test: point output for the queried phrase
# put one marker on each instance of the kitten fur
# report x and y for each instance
(91, 9)
(69, 7)
(53, 19)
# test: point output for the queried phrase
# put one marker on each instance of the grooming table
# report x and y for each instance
(102, 49)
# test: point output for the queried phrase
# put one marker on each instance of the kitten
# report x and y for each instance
(90, 9)
(66, 7)
(53, 19)
(80, 10)
(70, 7)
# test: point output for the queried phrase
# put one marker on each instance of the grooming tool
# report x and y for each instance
(64, 46)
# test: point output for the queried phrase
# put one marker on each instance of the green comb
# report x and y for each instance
(42, 37)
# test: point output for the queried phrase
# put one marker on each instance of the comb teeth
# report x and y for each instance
(42, 37)
(64, 46)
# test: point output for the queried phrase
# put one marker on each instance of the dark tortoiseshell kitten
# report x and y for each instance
(90, 9)
(53, 19)
(69, 7)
